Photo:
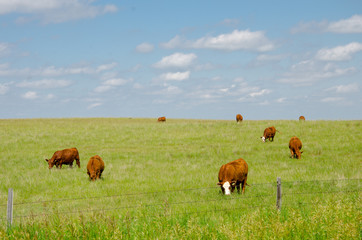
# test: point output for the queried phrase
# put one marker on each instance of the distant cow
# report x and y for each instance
(295, 145)
(233, 174)
(95, 167)
(65, 157)
(161, 119)
(269, 133)
(239, 118)
(301, 118)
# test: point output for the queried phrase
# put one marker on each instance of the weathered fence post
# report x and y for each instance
(10, 208)
(279, 193)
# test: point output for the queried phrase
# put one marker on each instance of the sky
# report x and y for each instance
(181, 59)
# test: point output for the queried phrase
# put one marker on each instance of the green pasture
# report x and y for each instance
(160, 180)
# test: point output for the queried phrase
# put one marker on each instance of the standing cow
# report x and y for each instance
(95, 167)
(294, 146)
(269, 133)
(161, 119)
(65, 156)
(239, 118)
(233, 174)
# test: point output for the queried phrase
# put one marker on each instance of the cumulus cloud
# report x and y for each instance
(178, 76)
(145, 48)
(45, 83)
(54, 11)
(349, 88)
(340, 53)
(30, 95)
(349, 25)
(178, 60)
(236, 40)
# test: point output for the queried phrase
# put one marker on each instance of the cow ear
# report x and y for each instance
(47, 160)
(219, 183)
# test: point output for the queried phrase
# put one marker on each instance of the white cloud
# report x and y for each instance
(93, 105)
(178, 76)
(102, 88)
(259, 93)
(145, 48)
(349, 88)
(106, 67)
(236, 40)
(349, 25)
(4, 88)
(180, 60)
(45, 83)
(4, 48)
(115, 82)
(110, 84)
(332, 99)
(30, 95)
(54, 11)
(310, 71)
(281, 100)
(340, 53)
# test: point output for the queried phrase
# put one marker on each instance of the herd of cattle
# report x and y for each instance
(231, 175)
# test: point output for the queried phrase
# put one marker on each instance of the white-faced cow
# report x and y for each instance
(233, 174)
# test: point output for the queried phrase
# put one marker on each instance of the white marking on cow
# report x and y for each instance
(226, 187)
(263, 138)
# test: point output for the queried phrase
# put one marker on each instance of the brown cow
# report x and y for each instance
(295, 145)
(301, 118)
(233, 174)
(161, 119)
(65, 157)
(239, 118)
(95, 167)
(269, 133)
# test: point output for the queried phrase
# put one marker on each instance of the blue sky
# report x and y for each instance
(181, 59)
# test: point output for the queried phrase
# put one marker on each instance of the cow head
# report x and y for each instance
(299, 154)
(92, 175)
(51, 163)
(263, 138)
(226, 187)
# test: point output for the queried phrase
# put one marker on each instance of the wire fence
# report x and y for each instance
(189, 201)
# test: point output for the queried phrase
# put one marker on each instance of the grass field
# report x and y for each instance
(160, 180)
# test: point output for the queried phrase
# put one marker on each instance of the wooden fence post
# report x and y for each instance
(279, 193)
(10, 208)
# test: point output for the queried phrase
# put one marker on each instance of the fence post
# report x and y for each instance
(10, 208)
(279, 193)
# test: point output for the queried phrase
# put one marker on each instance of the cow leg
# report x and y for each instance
(238, 187)
(78, 162)
(244, 184)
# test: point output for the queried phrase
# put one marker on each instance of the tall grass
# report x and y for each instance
(147, 162)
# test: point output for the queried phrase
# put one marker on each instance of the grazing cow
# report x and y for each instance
(95, 167)
(239, 118)
(295, 145)
(233, 174)
(301, 118)
(65, 157)
(161, 119)
(269, 133)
